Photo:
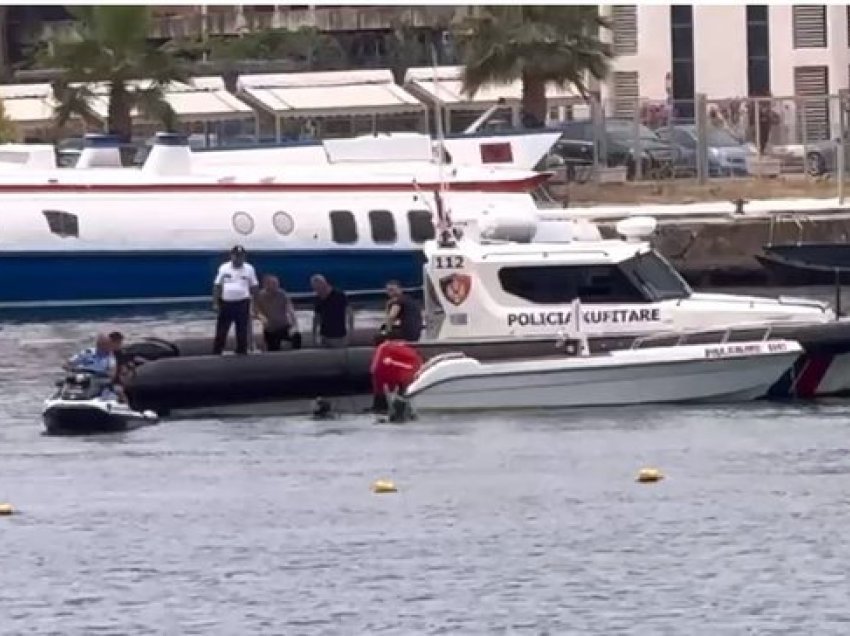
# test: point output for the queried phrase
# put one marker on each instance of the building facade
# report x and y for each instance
(671, 53)
(729, 50)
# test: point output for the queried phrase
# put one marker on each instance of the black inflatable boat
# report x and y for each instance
(183, 378)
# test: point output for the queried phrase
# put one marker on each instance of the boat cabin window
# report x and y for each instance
(343, 227)
(62, 224)
(546, 284)
(382, 223)
(656, 276)
(421, 226)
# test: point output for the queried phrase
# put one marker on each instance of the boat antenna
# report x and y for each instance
(446, 235)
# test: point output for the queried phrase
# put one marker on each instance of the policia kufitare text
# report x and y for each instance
(234, 288)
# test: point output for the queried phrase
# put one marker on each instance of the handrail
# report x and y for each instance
(725, 333)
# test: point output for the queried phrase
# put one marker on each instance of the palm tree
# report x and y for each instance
(535, 44)
(109, 45)
(8, 130)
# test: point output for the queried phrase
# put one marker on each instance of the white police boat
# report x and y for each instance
(485, 285)
(647, 373)
(81, 406)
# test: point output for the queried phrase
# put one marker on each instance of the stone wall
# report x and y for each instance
(721, 251)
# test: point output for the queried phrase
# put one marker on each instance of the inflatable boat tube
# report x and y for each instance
(183, 374)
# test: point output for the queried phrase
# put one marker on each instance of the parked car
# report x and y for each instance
(576, 147)
(822, 157)
(727, 157)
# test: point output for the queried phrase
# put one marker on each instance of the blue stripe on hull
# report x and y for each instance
(115, 278)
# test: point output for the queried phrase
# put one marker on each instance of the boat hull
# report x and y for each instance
(620, 379)
(794, 273)
(74, 279)
(820, 255)
(88, 417)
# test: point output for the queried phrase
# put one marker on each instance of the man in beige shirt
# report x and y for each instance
(277, 315)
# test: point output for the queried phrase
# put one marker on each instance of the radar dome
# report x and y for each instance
(636, 228)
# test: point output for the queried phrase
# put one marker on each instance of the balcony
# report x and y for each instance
(174, 21)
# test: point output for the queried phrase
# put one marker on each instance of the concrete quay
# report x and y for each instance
(712, 243)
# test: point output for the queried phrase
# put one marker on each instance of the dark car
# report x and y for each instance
(576, 148)
(727, 156)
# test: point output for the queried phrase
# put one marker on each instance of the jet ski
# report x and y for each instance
(84, 404)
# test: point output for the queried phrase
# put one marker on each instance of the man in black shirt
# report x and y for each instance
(332, 316)
(404, 317)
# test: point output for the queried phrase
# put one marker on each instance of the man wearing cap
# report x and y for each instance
(234, 287)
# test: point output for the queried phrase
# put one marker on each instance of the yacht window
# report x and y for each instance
(382, 223)
(598, 284)
(283, 223)
(421, 226)
(243, 223)
(655, 275)
(343, 227)
(62, 224)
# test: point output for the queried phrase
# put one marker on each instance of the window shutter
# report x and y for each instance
(813, 81)
(809, 26)
(626, 93)
(624, 29)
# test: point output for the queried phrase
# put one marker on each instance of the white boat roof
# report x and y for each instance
(603, 252)
(32, 164)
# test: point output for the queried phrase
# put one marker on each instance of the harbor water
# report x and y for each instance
(526, 523)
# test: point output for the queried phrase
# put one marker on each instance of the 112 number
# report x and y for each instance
(448, 262)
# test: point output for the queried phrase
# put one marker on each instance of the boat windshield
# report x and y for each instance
(656, 276)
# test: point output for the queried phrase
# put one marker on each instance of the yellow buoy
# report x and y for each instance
(382, 486)
(649, 475)
(6, 509)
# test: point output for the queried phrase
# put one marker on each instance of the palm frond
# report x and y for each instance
(108, 45)
(151, 104)
(70, 101)
(554, 44)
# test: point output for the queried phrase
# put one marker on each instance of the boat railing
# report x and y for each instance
(442, 357)
(799, 219)
(736, 333)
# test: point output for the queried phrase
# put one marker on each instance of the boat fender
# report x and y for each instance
(383, 486)
(394, 366)
(649, 475)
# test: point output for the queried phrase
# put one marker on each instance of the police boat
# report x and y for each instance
(84, 404)
(679, 373)
(500, 292)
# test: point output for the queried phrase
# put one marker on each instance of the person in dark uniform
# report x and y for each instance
(333, 319)
(404, 316)
(234, 287)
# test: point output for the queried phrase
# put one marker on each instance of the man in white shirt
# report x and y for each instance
(235, 285)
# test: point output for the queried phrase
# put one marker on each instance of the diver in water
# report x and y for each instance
(323, 409)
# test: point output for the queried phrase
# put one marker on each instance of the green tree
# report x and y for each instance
(536, 44)
(8, 130)
(109, 45)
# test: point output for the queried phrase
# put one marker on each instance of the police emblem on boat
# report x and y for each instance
(456, 287)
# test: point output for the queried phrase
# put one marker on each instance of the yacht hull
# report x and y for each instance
(74, 279)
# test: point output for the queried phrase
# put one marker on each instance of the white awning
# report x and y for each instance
(204, 100)
(447, 90)
(336, 93)
(30, 104)
(29, 110)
